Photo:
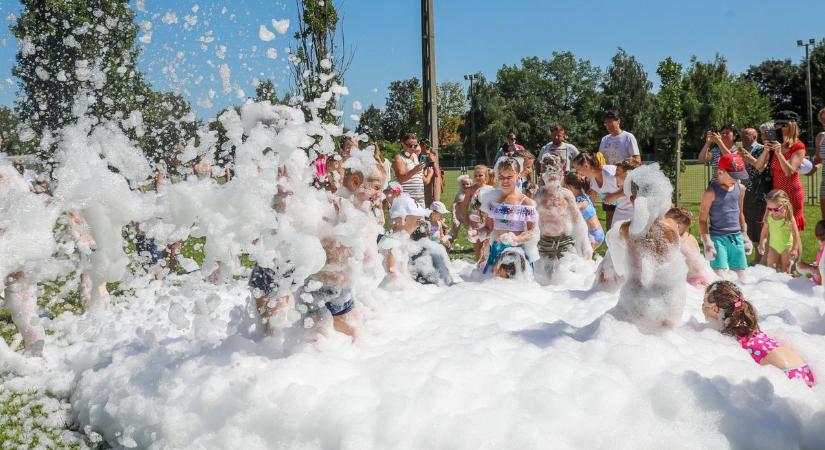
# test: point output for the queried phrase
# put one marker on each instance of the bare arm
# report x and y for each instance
(742, 223)
(762, 161)
(704, 211)
(790, 166)
(401, 173)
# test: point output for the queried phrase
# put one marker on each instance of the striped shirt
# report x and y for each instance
(415, 185)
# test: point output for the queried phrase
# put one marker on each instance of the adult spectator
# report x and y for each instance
(603, 180)
(408, 171)
(435, 186)
(785, 158)
(723, 142)
(385, 163)
(757, 185)
(820, 157)
(557, 146)
(618, 145)
(510, 148)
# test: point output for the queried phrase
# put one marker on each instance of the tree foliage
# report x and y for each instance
(403, 110)
(626, 88)
(668, 112)
(371, 123)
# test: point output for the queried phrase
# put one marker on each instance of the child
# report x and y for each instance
(726, 307)
(527, 186)
(511, 221)
(815, 269)
(579, 185)
(780, 234)
(725, 238)
(437, 227)
(464, 184)
(699, 273)
(471, 209)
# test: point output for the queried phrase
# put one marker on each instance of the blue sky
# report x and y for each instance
(480, 35)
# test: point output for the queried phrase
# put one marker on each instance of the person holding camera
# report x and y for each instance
(435, 186)
(786, 152)
(412, 173)
(723, 142)
(758, 185)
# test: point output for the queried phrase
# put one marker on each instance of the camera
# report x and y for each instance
(713, 129)
(773, 130)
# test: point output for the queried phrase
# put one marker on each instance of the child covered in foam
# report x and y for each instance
(817, 267)
(26, 241)
(726, 308)
(645, 252)
(511, 223)
(699, 271)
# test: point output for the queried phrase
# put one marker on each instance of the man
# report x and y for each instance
(754, 205)
(618, 144)
(725, 142)
(558, 147)
(411, 173)
(511, 148)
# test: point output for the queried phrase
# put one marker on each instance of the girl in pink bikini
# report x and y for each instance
(725, 306)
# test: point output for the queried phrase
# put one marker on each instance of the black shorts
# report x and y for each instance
(606, 207)
(264, 281)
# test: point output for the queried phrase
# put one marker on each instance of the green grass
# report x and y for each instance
(36, 420)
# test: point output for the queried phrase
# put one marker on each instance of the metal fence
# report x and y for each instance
(692, 181)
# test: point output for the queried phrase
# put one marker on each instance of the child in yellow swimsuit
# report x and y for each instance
(779, 233)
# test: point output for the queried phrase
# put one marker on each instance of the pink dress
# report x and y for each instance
(759, 345)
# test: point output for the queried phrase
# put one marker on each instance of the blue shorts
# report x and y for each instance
(336, 299)
(730, 252)
(149, 253)
(597, 235)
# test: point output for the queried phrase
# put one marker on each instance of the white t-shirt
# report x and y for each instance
(624, 208)
(566, 151)
(618, 148)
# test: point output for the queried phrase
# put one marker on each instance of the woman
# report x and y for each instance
(603, 181)
(412, 174)
(820, 157)
(787, 156)
(512, 222)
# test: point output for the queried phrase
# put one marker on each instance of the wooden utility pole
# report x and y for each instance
(428, 73)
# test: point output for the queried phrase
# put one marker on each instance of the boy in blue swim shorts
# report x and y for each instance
(721, 220)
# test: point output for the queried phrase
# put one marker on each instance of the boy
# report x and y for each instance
(721, 220)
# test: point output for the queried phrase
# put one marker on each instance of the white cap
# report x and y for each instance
(404, 205)
(438, 207)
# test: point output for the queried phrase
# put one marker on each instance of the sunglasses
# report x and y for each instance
(411, 145)
(778, 209)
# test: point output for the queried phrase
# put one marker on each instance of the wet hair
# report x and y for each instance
(628, 164)
(377, 173)
(819, 230)
(589, 158)
(407, 136)
(781, 197)
(577, 181)
(682, 216)
(737, 314)
(508, 163)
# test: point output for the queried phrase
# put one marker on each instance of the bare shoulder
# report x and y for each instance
(527, 201)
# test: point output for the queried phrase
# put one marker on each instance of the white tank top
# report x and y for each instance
(415, 185)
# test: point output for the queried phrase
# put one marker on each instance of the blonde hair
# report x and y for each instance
(779, 197)
(793, 133)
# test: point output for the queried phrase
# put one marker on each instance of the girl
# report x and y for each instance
(780, 233)
(784, 165)
(579, 185)
(470, 209)
(726, 307)
(438, 230)
(511, 220)
(603, 181)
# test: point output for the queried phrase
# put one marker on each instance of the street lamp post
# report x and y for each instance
(810, 43)
(472, 77)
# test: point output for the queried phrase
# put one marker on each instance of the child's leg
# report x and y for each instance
(23, 308)
(269, 309)
(785, 261)
(773, 258)
(86, 290)
(348, 323)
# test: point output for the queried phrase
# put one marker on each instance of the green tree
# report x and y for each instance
(626, 88)
(318, 59)
(559, 90)
(403, 110)
(371, 123)
(10, 141)
(168, 120)
(69, 47)
(668, 111)
(493, 120)
(451, 108)
(779, 81)
(265, 91)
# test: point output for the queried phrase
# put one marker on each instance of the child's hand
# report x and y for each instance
(710, 248)
(748, 246)
(794, 254)
(762, 245)
(508, 239)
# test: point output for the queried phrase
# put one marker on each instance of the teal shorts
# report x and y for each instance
(730, 252)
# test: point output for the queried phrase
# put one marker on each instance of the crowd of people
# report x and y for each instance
(523, 225)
